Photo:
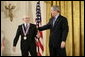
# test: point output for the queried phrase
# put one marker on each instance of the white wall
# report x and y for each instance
(9, 28)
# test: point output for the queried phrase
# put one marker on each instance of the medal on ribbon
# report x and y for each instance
(25, 32)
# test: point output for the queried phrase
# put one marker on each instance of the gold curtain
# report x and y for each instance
(74, 11)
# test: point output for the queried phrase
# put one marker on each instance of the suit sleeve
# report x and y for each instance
(17, 36)
(65, 29)
(35, 31)
(47, 26)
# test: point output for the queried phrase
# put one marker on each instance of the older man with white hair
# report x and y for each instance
(58, 26)
(28, 32)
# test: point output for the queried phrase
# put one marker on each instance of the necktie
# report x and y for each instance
(54, 21)
(25, 27)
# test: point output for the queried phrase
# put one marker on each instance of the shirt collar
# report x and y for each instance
(26, 23)
(56, 16)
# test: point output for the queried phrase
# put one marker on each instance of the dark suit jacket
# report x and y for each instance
(30, 41)
(59, 32)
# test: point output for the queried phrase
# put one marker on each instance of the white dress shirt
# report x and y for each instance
(27, 24)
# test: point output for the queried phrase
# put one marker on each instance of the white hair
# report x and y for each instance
(26, 17)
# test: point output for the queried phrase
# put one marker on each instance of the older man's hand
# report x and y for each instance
(38, 35)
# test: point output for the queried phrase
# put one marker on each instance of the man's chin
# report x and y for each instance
(53, 15)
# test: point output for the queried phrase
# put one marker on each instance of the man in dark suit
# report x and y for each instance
(28, 32)
(58, 26)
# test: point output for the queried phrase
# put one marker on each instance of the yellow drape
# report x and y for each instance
(74, 11)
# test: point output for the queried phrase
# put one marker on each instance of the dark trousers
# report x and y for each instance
(25, 51)
(57, 51)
